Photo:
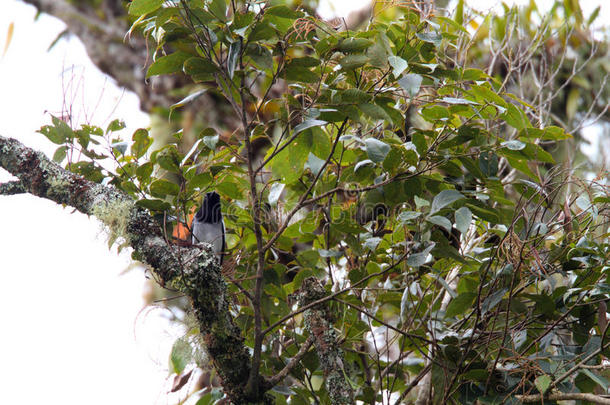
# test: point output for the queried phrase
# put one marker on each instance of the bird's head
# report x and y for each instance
(210, 209)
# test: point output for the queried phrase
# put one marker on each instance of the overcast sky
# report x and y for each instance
(72, 327)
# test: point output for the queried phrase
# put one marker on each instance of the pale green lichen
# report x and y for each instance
(114, 217)
(58, 187)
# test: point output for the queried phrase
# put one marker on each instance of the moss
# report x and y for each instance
(115, 217)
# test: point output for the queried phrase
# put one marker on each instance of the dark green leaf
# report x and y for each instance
(154, 205)
(354, 45)
(260, 55)
(168, 64)
(460, 304)
(284, 12)
(161, 188)
(195, 66)
(374, 111)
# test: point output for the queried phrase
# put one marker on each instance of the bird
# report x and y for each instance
(208, 225)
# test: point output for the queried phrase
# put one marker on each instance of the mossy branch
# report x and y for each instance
(192, 269)
(318, 323)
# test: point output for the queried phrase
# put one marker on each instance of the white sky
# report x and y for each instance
(70, 326)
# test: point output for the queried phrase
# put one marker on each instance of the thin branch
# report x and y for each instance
(292, 363)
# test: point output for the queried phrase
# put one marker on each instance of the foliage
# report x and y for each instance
(452, 244)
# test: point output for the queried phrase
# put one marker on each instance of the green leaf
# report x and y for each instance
(230, 189)
(431, 37)
(351, 62)
(354, 45)
(363, 163)
(463, 218)
(315, 164)
(460, 304)
(196, 66)
(200, 181)
(488, 163)
(374, 111)
(459, 12)
(188, 99)
(443, 199)
(141, 142)
(52, 134)
(297, 73)
(275, 192)
(485, 95)
(407, 216)
(120, 147)
(551, 133)
(419, 259)
(515, 117)
(168, 64)
(542, 383)
(60, 154)
(435, 112)
(440, 221)
(284, 12)
(115, 125)
(154, 205)
(398, 65)
(218, 8)
(598, 379)
(411, 83)
(308, 123)
(494, 299)
(376, 149)
(355, 96)
(161, 188)
(260, 55)
(141, 7)
(180, 356)
(372, 243)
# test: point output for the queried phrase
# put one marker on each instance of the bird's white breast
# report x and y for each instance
(210, 233)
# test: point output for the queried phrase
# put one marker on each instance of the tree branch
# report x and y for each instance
(576, 396)
(192, 270)
(12, 188)
(292, 363)
(317, 322)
